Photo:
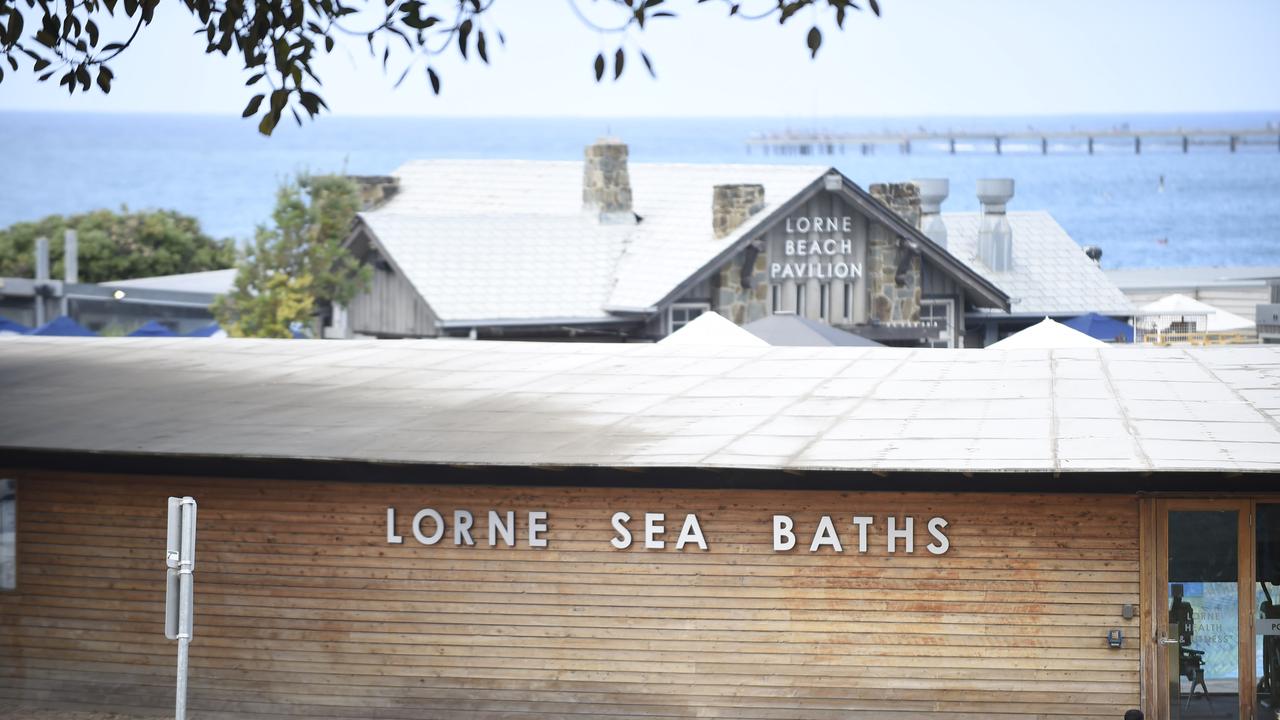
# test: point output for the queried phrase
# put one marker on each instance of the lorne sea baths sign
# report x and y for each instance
(652, 531)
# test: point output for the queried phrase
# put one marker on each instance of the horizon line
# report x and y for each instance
(415, 116)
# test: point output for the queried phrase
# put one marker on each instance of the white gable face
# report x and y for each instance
(816, 261)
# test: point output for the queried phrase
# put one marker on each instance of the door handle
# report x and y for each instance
(1168, 641)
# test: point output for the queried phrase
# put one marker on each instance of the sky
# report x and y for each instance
(922, 58)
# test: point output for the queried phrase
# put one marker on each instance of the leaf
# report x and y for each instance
(82, 74)
(254, 79)
(464, 30)
(279, 98)
(814, 41)
(599, 66)
(40, 65)
(312, 102)
(480, 47)
(619, 59)
(435, 81)
(104, 78)
(92, 29)
(15, 27)
(403, 75)
(328, 44)
(875, 7)
(648, 65)
(268, 123)
(252, 108)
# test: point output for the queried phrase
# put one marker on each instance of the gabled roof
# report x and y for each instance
(984, 293)
(508, 239)
(444, 402)
(1051, 275)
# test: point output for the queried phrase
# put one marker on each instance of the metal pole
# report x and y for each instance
(186, 564)
(42, 277)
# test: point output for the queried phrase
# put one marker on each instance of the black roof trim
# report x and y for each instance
(15, 461)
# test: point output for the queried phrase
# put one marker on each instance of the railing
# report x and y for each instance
(1196, 338)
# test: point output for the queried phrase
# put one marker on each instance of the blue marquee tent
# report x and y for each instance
(207, 331)
(9, 327)
(1101, 327)
(63, 325)
(153, 329)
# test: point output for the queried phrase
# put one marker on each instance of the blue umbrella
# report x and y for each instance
(1101, 327)
(8, 326)
(153, 329)
(63, 325)
(207, 331)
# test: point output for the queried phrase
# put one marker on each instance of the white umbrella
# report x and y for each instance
(711, 329)
(1178, 307)
(1047, 334)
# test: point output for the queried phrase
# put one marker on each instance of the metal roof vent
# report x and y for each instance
(995, 236)
(932, 192)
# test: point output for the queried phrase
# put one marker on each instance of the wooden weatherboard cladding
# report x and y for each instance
(303, 609)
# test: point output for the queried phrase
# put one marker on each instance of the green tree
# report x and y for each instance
(277, 41)
(117, 245)
(296, 269)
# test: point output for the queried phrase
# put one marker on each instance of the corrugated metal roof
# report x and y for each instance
(485, 239)
(464, 402)
(1051, 275)
(1191, 277)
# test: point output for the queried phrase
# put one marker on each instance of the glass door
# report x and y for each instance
(1204, 606)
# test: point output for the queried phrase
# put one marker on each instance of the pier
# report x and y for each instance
(836, 143)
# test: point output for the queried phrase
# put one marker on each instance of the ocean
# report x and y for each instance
(1157, 208)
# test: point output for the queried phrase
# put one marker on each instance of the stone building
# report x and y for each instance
(606, 249)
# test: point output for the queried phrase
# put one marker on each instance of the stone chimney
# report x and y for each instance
(375, 190)
(902, 198)
(606, 184)
(893, 263)
(995, 236)
(932, 192)
(731, 205)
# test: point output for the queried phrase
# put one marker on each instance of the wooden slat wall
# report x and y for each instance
(304, 610)
(391, 307)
